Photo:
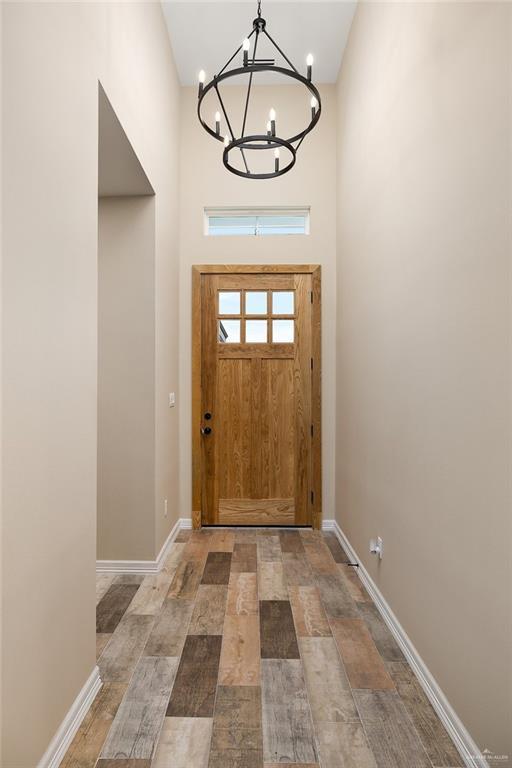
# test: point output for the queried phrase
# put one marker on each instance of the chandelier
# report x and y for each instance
(269, 141)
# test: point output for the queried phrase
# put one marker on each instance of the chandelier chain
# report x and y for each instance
(259, 9)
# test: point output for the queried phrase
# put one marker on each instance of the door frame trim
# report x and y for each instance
(316, 393)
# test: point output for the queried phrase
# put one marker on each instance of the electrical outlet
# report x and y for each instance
(165, 507)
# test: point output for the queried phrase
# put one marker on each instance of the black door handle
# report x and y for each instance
(206, 430)
(207, 415)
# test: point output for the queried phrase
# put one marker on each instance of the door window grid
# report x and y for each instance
(262, 324)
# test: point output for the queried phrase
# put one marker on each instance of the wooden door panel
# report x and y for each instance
(256, 400)
(233, 428)
(278, 429)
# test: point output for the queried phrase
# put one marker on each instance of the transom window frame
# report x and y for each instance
(257, 212)
(241, 317)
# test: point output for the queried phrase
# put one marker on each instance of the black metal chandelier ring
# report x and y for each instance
(259, 141)
(261, 68)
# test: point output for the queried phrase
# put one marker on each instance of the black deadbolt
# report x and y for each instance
(207, 415)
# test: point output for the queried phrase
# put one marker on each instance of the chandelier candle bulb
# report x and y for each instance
(246, 45)
(217, 123)
(202, 78)
(309, 62)
(276, 160)
(272, 116)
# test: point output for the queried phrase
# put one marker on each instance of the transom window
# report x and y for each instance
(256, 317)
(256, 221)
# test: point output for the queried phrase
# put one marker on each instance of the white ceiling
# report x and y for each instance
(205, 34)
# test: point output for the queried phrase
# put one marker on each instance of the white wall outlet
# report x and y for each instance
(172, 399)
(165, 507)
(377, 547)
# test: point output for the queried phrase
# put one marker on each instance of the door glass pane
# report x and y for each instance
(229, 302)
(282, 331)
(256, 331)
(282, 303)
(256, 303)
(229, 331)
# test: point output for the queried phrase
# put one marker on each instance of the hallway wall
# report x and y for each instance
(423, 335)
(205, 182)
(53, 56)
(126, 378)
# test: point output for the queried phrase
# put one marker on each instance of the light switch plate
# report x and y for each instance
(172, 399)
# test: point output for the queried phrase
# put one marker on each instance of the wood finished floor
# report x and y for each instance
(251, 649)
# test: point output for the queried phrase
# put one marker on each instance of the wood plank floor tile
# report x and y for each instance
(297, 570)
(90, 737)
(222, 541)
(138, 721)
(173, 558)
(337, 551)
(184, 743)
(319, 557)
(237, 718)
(112, 606)
(438, 745)
(269, 548)
(291, 765)
(217, 568)
(363, 663)
(245, 536)
(196, 549)
(390, 732)
(382, 637)
(271, 583)
(244, 558)
(151, 594)
(242, 594)
(119, 658)
(186, 579)
(103, 583)
(335, 597)
(288, 735)
(277, 630)
(193, 693)
(240, 657)
(236, 758)
(123, 763)
(344, 745)
(308, 612)
(101, 643)
(329, 693)
(209, 610)
(353, 584)
(182, 536)
(170, 628)
(129, 578)
(291, 542)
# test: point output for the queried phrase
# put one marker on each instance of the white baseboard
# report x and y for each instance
(71, 723)
(144, 567)
(467, 748)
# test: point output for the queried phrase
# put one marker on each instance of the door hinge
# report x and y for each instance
(312, 430)
(312, 497)
(311, 363)
(311, 294)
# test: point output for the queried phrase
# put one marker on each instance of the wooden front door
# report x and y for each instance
(257, 420)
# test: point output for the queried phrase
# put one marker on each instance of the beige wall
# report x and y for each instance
(205, 182)
(53, 57)
(126, 378)
(423, 335)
